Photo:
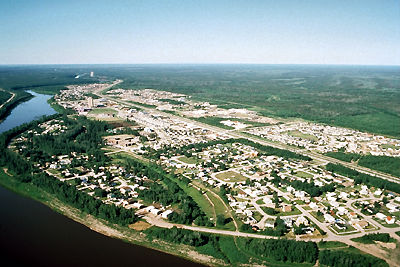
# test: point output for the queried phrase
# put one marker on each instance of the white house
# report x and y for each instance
(380, 216)
(329, 218)
(166, 213)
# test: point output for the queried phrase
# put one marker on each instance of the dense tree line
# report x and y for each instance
(178, 236)
(381, 163)
(70, 195)
(283, 250)
(370, 238)
(82, 201)
(4, 96)
(340, 258)
(310, 188)
(19, 98)
(265, 150)
(162, 189)
(82, 136)
(348, 157)
(361, 178)
(25, 172)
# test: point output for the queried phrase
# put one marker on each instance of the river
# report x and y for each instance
(31, 234)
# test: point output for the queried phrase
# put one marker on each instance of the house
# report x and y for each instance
(137, 205)
(352, 215)
(165, 214)
(362, 223)
(301, 220)
(341, 210)
(288, 222)
(241, 194)
(340, 226)
(267, 200)
(391, 206)
(269, 223)
(313, 205)
(390, 220)
(329, 218)
(343, 195)
(287, 208)
(380, 216)
(364, 190)
(155, 211)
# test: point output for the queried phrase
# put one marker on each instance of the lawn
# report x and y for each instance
(343, 231)
(384, 224)
(331, 244)
(214, 121)
(190, 160)
(295, 211)
(260, 202)
(218, 205)
(102, 111)
(200, 199)
(319, 218)
(231, 176)
(302, 135)
(302, 174)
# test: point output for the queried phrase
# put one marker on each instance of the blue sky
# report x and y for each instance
(202, 31)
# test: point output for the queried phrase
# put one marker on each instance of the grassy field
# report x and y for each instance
(231, 176)
(331, 244)
(103, 111)
(303, 174)
(214, 121)
(190, 160)
(302, 135)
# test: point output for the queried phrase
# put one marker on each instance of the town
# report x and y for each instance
(239, 186)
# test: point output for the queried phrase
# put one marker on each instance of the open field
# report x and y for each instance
(359, 97)
(103, 111)
(190, 160)
(302, 135)
(140, 226)
(231, 176)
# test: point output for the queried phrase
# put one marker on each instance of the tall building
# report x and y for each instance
(91, 74)
(90, 102)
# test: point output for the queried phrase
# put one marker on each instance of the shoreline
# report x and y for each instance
(103, 227)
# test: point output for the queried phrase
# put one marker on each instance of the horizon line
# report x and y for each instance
(207, 63)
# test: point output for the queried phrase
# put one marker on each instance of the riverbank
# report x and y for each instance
(101, 226)
(7, 108)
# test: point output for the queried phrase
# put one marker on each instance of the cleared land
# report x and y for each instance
(231, 176)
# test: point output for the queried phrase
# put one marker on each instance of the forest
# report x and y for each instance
(341, 258)
(385, 164)
(371, 238)
(360, 97)
(4, 96)
(361, 178)
(281, 250)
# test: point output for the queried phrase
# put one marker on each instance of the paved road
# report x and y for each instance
(316, 156)
(10, 99)
(236, 134)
